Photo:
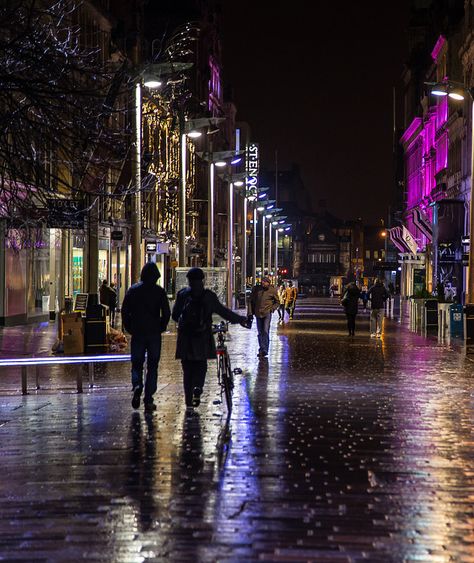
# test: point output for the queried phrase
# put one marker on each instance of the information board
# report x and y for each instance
(81, 302)
(215, 279)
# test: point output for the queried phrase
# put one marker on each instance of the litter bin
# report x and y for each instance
(469, 325)
(431, 314)
(95, 326)
(456, 320)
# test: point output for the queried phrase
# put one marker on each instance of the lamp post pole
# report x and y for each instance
(244, 246)
(254, 245)
(230, 245)
(263, 244)
(210, 216)
(182, 198)
(270, 247)
(136, 234)
(276, 254)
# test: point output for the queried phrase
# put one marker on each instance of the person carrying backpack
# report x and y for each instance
(193, 312)
(145, 315)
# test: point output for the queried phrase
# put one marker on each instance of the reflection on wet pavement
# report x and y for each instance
(338, 449)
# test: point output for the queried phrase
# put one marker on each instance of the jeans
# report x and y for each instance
(263, 328)
(376, 320)
(194, 375)
(112, 316)
(281, 312)
(151, 345)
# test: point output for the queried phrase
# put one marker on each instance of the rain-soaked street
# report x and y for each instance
(339, 449)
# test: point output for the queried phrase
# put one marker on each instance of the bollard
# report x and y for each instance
(24, 380)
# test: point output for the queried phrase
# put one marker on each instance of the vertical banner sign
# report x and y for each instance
(409, 240)
(252, 165)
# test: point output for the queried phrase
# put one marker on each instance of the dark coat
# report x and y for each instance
(145, 308)
(378, 294)
(202, 346)
(350, 300)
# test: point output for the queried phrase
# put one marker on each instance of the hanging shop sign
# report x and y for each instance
(151, 247)
(65, 213)
(409, 240)
(116, 235)
(421, 221)
(252, 170)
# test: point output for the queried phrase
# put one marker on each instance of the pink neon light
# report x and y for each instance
(437, 48)
(411, 129)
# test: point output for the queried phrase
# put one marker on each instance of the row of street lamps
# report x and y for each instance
(221, 163)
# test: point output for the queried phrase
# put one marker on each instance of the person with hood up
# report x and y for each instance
(145, 315)
(350, 302)
(193, 312)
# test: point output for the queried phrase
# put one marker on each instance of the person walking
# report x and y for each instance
(112, 303)
(364, 295)
(193, 312)
(378, 294)
(145, 315)
(108, 297)
(281, 306)
(350, 302)
(290, 299)
(263, 301)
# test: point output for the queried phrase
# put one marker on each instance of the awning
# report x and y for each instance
(421, 221)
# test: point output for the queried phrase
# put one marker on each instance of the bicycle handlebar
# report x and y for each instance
(220, 328)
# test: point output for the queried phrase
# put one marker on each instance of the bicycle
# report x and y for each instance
(225, 374)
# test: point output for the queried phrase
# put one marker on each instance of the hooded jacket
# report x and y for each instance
(145, 308)
(350, 299)
(378, 294)
(198, 347)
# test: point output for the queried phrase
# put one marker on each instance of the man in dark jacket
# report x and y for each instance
(263, 301)
(350, 302)
(108, 297)
(145, 315)
(378, 294)
(196, 345)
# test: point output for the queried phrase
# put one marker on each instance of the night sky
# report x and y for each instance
(319, 90)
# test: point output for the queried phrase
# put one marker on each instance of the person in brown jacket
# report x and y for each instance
(290, 299)
(263, 301)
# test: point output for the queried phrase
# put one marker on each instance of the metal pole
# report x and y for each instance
(254, 243)
(470, 296)
(276, 254)
(270, 247)
(182, 206)
(263, 245)
(230, 245)
(243, 282)
(137, 196)
(210, 218)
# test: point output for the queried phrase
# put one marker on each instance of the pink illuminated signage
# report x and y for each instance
(253, 165)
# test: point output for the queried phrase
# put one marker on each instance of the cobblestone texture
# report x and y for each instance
(339, 449)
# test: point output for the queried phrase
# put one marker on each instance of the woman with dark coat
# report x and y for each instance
(350, 302)
(195, 344)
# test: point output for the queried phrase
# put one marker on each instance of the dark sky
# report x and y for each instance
(319, 89)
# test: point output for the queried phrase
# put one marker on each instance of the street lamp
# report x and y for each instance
(457, 91)
(219, 159)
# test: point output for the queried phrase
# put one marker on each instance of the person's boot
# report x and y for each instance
(137, 392)
(197, 392)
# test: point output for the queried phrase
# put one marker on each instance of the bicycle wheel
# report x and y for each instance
(227, 384)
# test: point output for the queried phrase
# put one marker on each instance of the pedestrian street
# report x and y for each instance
(338, 449)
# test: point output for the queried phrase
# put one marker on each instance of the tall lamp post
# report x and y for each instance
(457, 91)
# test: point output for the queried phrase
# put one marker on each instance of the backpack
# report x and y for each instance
(192, 320)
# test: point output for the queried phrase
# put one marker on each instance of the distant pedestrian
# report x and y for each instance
(263, 301)
(193, 312)
(281, 307)
(350, 302)
(145, 315)
(291, 294)
(108, 297)
(378, 294)
(112, 304)
(364, 295)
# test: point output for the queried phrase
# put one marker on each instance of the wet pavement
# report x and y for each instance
(339, 449)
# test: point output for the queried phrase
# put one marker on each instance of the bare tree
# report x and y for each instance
(60, 129)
